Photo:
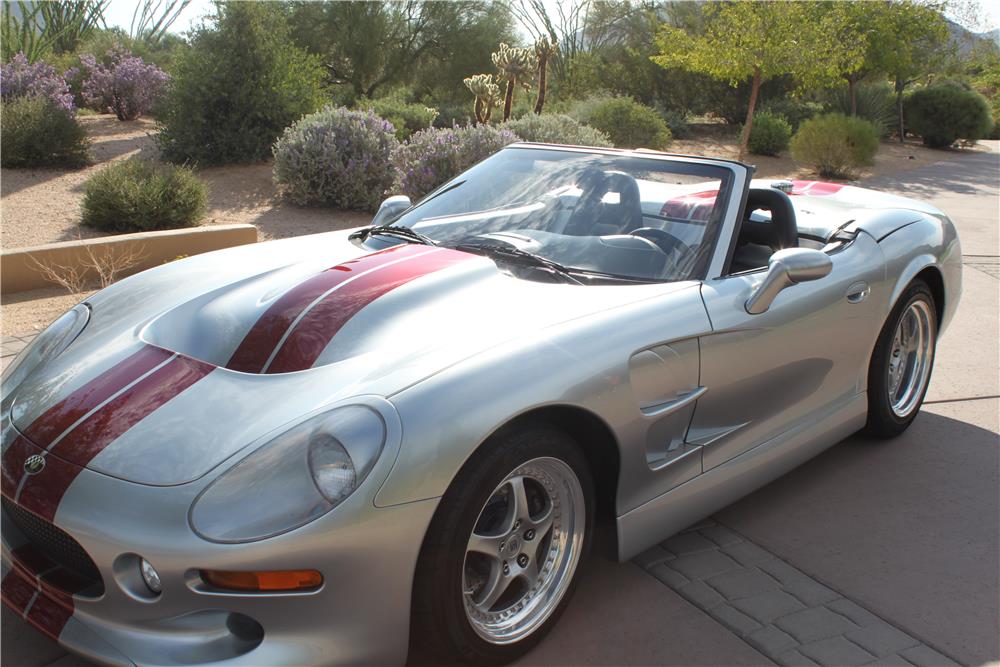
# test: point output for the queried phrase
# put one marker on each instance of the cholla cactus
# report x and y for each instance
(516, 65)
(543, 51)
(487, 91)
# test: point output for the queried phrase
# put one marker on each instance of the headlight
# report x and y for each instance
(293, 479)
(47, 346)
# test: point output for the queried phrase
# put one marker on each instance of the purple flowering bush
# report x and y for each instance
(128, 87)
(336, 157)
(19, 78)
(431, 157)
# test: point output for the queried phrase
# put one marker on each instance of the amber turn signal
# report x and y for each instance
(277, 580)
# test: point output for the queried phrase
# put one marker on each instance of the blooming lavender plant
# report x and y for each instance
(432, 156)
(336, 157)
(19, 78)
(128, 87)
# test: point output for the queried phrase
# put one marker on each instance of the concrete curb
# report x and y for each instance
(19, 271)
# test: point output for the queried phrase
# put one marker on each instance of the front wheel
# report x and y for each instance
(501, 556)
(901, 365)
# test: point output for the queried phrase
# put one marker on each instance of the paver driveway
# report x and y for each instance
(872, 553)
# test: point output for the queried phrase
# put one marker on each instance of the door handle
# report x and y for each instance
(858, 292)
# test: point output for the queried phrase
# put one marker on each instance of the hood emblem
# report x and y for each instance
(34, 464)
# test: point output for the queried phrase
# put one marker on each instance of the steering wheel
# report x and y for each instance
(668, 243)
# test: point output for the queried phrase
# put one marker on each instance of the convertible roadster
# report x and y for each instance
(337, 448)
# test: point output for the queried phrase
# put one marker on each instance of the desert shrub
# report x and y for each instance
(769, 134)
(876, 103)
(451, 114)
(431, 157)
(793, 110)
(38, 132)
(835, 144)
(943, 113)
(677, 121)
(139, 195)
(19, 78)
(127, 88)
(556, 129)
(406, 117)
(626, 122)
(237, 87)
(337, 157)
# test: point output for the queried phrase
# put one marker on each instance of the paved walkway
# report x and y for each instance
(872, 553)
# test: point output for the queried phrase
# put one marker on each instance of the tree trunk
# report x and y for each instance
(852, 91)
(508, 99)
(479, 110)
(542, 65)
(745, 139)
(900, 84)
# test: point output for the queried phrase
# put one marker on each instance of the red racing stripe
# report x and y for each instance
(42, 492)
(258, 344)
(54, 421)
(317, 328)
(13, 464)
(17, 591)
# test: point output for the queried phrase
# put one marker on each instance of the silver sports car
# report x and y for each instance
(339, 448)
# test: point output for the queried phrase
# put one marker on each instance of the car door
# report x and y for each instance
(799, 360)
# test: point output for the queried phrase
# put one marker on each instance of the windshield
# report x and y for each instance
(616, 216)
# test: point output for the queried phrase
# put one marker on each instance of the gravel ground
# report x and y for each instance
(43, 205)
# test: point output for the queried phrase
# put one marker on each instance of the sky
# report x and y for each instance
(119, 13)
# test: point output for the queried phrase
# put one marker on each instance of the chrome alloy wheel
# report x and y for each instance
(524, 550)
(910, 358)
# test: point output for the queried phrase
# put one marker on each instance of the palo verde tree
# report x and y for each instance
(759, 41)
(909, 40)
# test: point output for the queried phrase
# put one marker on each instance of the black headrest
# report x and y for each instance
(781, 231)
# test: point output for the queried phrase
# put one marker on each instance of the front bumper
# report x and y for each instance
(360, 615)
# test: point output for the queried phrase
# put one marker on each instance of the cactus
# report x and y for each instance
(487, 91)
(543, 51)
(515, 65)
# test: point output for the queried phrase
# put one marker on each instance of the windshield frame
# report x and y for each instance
(733, 188)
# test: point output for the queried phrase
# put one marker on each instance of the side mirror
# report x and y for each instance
(390, 208)
(786, 268)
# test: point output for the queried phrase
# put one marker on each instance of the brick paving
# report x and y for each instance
(779, 610)
(988, 264)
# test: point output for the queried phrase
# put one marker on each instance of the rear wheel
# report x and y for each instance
(501, 557)
(901, 365)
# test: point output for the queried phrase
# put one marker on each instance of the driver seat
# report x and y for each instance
(759, 239)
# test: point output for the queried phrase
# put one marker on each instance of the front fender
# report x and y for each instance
(928, 243)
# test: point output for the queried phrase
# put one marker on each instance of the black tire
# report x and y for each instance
(883, 422)
(441, 632)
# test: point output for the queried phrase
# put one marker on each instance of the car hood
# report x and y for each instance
(186, 365)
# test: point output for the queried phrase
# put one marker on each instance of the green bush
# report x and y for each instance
(794, 111)
(769, 134)
(876, 103)
(337, 157)
(37, 132)
(138, 195)
(835, 144)
(946, 112)
(556, 129)
(237, 87)
(406, 117)
(677, 121)
(626, 122)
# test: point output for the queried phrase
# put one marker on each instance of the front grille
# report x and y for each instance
(58, 545)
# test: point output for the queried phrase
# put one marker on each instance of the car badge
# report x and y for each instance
(34, 464)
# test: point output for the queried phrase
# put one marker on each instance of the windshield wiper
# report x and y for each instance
(405, 233)
(516, 255)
